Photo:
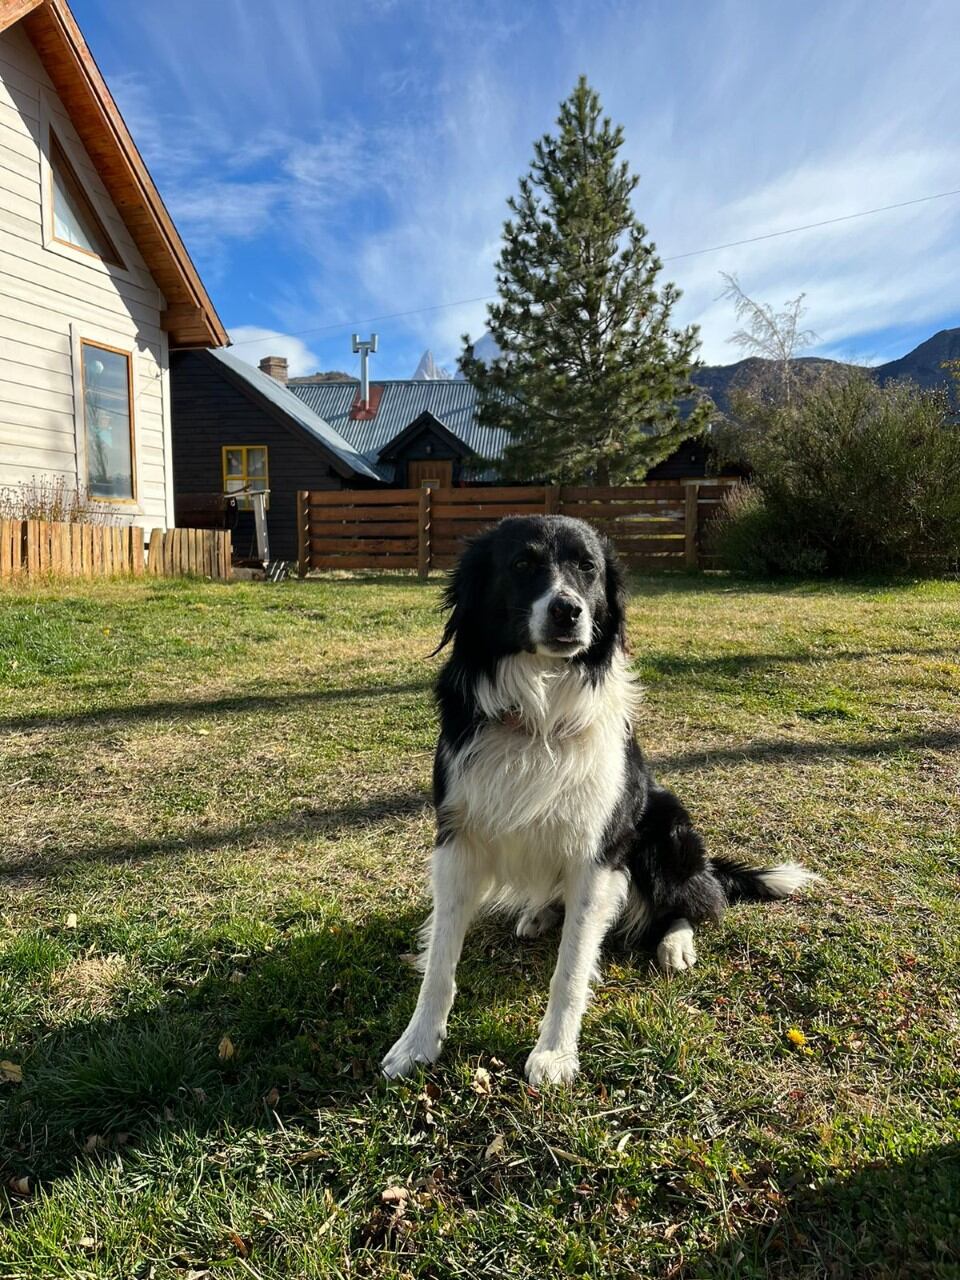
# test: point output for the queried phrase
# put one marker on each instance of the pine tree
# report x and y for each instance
(591, 375)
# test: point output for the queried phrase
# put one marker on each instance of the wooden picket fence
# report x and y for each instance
(653, 526)
(191, 553)
(38, 548)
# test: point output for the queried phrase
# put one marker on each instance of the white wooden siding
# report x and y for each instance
(51, 296)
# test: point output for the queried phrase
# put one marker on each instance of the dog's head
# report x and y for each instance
(540, 584)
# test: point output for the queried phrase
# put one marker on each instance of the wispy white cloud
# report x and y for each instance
(357, 159)
(253, 343)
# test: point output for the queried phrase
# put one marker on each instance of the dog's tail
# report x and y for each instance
(743, 883)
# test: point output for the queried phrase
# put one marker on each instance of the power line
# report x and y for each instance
(809, 226)
(676, 257)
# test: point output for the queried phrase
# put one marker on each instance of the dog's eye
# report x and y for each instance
(587, 566)
(522, 564)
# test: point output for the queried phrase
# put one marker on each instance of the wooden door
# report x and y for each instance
(427, 470)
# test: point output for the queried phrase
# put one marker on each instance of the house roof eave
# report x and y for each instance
(191, 319)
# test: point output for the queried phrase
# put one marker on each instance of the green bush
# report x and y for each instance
(849, 478)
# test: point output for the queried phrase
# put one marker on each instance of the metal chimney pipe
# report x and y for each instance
(364, 349)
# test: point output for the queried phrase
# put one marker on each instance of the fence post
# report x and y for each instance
(551, 500)
(303, 517)
(423, 532)
(691, 525)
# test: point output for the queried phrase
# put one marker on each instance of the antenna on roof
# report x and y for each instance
(365, 350)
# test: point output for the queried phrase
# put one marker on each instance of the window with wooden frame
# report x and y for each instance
(75, 220)
(107, 379)
(245, 471)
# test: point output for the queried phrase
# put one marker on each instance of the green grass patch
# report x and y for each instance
(216, 831)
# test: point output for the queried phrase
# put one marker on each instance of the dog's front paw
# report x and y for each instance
(552, 1066)
(677, 951)
(414, 1048)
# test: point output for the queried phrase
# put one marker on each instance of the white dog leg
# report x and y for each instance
(594, 900)
(457, 890)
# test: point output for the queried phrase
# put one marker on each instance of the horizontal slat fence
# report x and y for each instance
(653, 526)
(359, 529)
(40, 548)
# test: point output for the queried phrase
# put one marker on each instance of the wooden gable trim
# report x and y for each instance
(274, 411)
(425, 422)
(12, 11)
(59, 43)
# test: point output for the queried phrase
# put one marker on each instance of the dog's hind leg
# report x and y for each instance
(536, 921)
(594, 900)
(458, 888)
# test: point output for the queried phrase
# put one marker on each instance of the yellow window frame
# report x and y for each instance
(244, 501)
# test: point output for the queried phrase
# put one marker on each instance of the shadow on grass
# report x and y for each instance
(310, 1018)
(781, 750)
(672, 666)
(886, 1221)
(241, 703)
(302, 823)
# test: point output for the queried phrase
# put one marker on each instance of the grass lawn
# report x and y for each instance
(215, 829)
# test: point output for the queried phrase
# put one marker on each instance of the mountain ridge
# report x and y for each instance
(922, 365)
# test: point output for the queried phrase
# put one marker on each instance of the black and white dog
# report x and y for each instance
(543, 797)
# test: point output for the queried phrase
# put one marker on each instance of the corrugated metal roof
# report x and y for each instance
(301, 412)
(453, 402)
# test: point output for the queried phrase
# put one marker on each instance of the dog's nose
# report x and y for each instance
(564, 610)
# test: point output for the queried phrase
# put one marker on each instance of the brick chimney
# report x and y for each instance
(275, 367)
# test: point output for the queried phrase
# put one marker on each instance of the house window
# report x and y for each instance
(108, 422)
(75, 221)
(245, 472)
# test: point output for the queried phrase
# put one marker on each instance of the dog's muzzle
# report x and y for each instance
(560, 624)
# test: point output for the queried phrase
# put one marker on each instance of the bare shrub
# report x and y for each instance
(52, 499)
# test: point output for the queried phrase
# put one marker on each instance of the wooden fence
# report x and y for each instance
(654, 526)
(190, 553)
(38, 548)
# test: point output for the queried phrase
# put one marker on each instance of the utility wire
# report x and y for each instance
(676, 257)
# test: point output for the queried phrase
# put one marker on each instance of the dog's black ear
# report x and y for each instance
(616, 621)
(463, 596)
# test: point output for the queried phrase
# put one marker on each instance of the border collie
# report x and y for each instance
(543, 798)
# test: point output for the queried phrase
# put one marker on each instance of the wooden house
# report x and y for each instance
(236, 430)
(96, 285)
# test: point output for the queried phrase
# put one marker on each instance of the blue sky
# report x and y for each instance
(329, 163)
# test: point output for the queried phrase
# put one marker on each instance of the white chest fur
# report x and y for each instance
(537, 785)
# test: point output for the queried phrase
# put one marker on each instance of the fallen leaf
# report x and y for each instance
(225, 1049)
(433, 1091)
(397, 1196)
(204, 733)
(570, 1156)
(236, 978)
(92, 1143)
(11, 1073)
(71, 921)
(272, 1098)
(496, 1148)
(86, 1242)
(481, 1083)
(19, 1186)
(239, 1244)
